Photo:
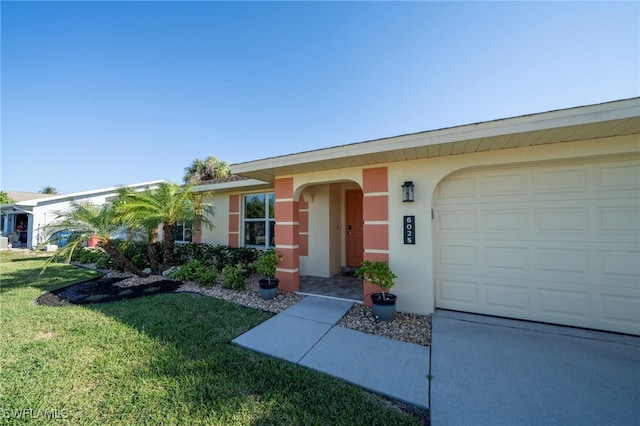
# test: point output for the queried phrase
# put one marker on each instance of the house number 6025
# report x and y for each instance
(409, 229)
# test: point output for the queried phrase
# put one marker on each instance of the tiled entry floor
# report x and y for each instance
(339, 286)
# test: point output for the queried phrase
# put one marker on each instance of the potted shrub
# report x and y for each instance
(379, 273)
(267, 263)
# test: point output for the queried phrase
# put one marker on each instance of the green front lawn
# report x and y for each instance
(162, 359)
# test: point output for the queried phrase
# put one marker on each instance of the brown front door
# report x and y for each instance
(354, 228)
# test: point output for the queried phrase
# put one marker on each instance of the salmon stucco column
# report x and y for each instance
(287, 235)
(234, 220)
(375, 214)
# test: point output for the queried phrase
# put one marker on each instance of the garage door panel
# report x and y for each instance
(505, 221)
(620, 266)
(561, 219)
(505, 259)
(596, 223)
(510, 299)
(457, 258)
(559, 180)
(618, 219)
(564, 262)
(503, 183)
(565, 305)
(621, 311)
(556, 243)
(618, 177)
(458, 293)
(456, 188)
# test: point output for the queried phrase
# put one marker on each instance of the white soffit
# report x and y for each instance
(616, 118)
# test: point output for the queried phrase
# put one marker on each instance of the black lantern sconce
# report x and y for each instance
(407, 192)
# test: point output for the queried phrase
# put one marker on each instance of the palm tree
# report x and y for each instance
(200, 171)
(49, 190)
(207, 169)
(84, 220)
(167, 204)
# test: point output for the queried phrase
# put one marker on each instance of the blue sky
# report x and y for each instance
(97, 94)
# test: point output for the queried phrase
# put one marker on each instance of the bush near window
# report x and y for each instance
(233, 277)
(197, 272)
(219, 255)
(204, 255)
(203, 252)
(244, 256)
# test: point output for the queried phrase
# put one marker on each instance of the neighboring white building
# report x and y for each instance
(23, 221)
(534, 217)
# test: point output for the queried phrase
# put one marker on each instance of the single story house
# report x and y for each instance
(23, 221)
(535, 217)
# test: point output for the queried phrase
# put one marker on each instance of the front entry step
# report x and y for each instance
(348, 271)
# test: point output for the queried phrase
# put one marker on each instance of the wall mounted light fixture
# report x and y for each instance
(407, 192)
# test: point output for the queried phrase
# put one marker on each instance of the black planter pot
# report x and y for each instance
(384, 308)
(268, 289)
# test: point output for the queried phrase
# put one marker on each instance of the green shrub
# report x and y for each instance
(87, 255)
(105, 262)
(268, 262)
(227, 255)
(243, 255)
(197, 272)
(138, 252)
(233, 277)
(184, 253)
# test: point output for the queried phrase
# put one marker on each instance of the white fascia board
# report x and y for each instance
(239, 184)
(616, 110)
(83, 194)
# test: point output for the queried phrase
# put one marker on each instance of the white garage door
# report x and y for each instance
(556, 243)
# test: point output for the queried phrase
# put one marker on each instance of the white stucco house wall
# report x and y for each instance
(34, 211)
(534, 217)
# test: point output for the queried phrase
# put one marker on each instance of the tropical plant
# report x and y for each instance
(4, 198)
(86, 220)
(139, 228)
(267, 264)
(207, 169)
(200, 171)
(378, 273)
(48, 190)
(167, 204)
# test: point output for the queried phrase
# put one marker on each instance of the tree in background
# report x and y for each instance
(85, 220)
(167, 204)
(4, 198)
(49, 190)
(207, 169)
(200, 171)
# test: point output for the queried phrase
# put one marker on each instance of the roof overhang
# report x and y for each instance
(60, 198)
(243, 184)
(14, 209)
(609, 119)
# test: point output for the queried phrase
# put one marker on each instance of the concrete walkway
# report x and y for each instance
(490, 371)
(305, 334)
(485, 370)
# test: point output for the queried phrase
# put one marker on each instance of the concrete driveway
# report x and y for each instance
(489, 371)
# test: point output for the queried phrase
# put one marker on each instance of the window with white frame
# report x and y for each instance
(182, 232)
(258, 220)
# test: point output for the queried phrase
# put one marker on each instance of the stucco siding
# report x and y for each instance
(219, 233)
(414, 263)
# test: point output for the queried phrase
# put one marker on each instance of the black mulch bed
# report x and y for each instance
(103, 290)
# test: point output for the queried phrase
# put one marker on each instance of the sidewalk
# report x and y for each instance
(305, 334)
